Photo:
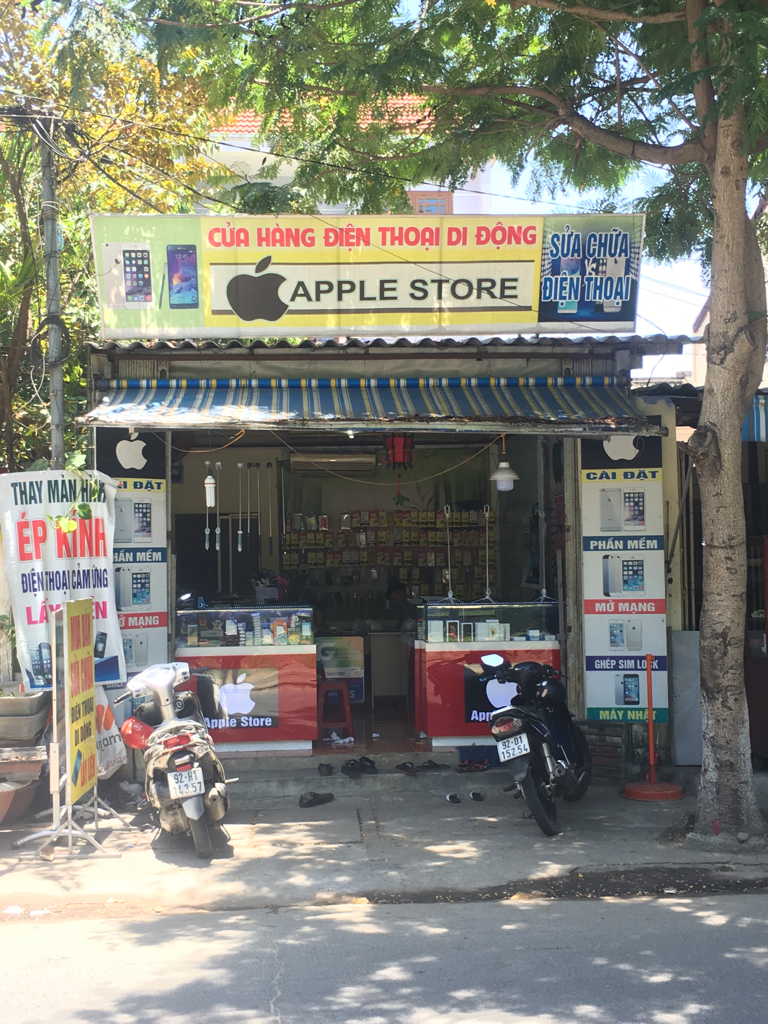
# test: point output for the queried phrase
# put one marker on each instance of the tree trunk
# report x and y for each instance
(735, 359)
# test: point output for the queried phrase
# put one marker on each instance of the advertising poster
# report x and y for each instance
(80, 691)
(186, 276)
(52, 557)
(624, 578)
(343, 660)
(137, 462)
(141, 571)
(590, 270)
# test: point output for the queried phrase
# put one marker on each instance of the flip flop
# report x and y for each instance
(314, 799)
(431, 766)
(351, 769)
(367, 766)
(453, 798)
(476, 795)
(464, 766)
(407, 768)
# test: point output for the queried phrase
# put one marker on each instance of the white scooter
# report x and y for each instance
(185, 784)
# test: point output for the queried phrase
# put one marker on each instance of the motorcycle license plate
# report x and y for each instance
(184, 784)
(513, 746)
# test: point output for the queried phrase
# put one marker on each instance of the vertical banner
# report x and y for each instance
(57, 529)
(80, 691)
(141, 571)
(624, 578)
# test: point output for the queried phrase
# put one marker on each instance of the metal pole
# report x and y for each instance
(53, 303)
(651, 743)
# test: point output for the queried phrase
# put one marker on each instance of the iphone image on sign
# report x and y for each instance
(112, 288)
(616, 631)
(610, 509)
(140, 588)
(137, 277)
(123, 520)
(634, 510)
(182, 276)
(122, 588)
(634, 631)
(142, 521)
(622, 576)
(627, 688)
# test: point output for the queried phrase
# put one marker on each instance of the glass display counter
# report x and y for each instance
(484, 622)
(263, 626)
(254, 673)
(447, 700)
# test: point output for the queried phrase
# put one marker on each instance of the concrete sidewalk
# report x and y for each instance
(369, 845)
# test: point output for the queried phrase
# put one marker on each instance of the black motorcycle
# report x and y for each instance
(547, 752)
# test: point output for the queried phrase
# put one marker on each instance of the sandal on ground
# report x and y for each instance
(407, 768)
(367, 766)
(351, 769)
(431, 766)
(325, 769)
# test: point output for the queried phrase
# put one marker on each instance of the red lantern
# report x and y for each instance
(399, 449)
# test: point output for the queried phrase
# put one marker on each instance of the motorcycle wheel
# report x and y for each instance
(201, 838)
(542, 807)
(585, 770)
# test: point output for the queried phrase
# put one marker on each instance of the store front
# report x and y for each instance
(356, 537)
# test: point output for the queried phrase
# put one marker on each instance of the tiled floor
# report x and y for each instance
(385, 732)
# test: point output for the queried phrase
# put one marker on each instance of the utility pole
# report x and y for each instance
(53, 293)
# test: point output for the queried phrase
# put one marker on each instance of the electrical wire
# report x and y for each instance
(383, 483)
(201, 451)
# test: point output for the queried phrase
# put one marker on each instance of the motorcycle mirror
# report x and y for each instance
(491, 661)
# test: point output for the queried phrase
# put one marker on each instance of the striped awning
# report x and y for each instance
(562, 405)
(756, 423)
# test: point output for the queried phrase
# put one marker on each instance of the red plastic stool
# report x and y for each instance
(345, 721)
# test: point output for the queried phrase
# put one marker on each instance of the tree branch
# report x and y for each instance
(688, 152)
(596, 14)
(703, 90)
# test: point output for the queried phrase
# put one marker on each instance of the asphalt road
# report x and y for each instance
(669, 961)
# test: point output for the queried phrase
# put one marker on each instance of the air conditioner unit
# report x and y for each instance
(320, 463)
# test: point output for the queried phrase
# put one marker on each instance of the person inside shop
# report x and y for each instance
(397, 597)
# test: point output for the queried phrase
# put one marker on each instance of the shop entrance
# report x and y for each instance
(335, 528)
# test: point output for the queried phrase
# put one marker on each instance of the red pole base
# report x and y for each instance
(653, 791)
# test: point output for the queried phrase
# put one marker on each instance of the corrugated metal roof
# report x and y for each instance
(654, 342)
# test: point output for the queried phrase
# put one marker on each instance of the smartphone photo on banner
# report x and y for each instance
(137, 277)
(182, 276)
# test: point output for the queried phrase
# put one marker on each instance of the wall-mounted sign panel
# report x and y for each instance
(181, 276)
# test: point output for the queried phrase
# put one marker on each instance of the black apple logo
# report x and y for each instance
(257, 298)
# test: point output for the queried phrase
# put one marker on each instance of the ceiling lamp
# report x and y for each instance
(505, 476)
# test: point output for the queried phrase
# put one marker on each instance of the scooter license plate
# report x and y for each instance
(184, 784)
(513, 746)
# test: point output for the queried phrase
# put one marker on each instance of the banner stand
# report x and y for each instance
(64, 669)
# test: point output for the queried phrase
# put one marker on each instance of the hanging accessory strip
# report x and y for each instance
(257, 466)
(248, 488)
(240, 506)
(447, 511)
(218, 512)
(207, 514)
(486, 513)
(269, 499)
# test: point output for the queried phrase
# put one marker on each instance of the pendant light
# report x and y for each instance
(505, 476)
(210, 501)
(210, 488)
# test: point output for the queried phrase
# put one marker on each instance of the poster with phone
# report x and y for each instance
(80, 695)
(624, 578)
(141, 571)
(58, 532)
